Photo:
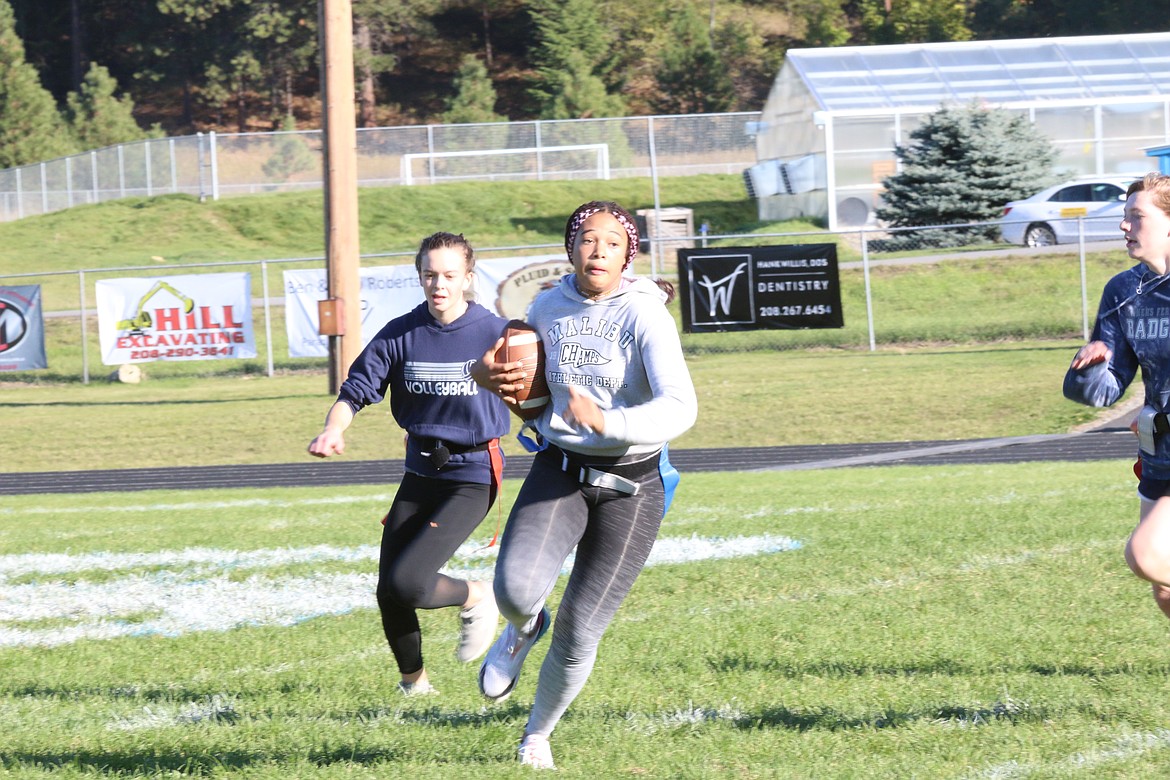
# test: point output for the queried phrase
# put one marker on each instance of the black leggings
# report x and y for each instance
(612, 533)
(428, 521)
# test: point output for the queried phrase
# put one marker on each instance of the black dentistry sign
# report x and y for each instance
(786, 287)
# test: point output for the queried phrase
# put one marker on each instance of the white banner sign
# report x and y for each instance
(196, 317)
(385, 293)
(508, 285)
(505, 286)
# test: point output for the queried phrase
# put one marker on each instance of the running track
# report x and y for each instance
(1108, 442)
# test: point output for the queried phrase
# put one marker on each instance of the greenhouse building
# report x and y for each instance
(826, 136)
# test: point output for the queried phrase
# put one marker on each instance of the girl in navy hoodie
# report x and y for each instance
(453, 460)
(1132, 336)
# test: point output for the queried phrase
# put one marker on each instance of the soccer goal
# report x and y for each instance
(539, 162)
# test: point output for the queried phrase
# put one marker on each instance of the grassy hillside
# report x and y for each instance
(177, 229)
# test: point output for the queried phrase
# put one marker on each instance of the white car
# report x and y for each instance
(1051, 216)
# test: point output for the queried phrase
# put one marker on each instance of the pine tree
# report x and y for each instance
(31, 127)
(475, 97)
(381, 27)
(825, 23)
(291, 155)
(750, 64)
(914, 21)
(573, 56)
(963, 165)
(691, 78)
(97, 116)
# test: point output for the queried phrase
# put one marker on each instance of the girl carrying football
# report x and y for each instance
(600, 482)
(453, 459)
(1131, 334)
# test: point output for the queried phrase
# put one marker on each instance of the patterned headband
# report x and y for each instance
(584, 214)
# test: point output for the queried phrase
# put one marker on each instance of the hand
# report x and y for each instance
(1091, 354)
(499, 378)
(329, 442)
(583, 412)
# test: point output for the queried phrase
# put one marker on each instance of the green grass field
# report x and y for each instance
(745, 400)
(903, 622)
(971, 622)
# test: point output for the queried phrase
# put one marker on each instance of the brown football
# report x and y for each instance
(522, 344)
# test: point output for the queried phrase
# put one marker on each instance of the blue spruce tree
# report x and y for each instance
(963, 165)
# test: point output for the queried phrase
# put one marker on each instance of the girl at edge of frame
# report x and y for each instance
(1123, 342)
(453, 459)
(600, 481)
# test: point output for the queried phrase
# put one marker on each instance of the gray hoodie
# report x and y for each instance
(623, 351)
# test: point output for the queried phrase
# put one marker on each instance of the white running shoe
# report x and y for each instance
(477, 626)
(420, 688)
(501, 667)
(536, 752)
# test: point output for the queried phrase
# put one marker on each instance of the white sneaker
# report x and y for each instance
(420, 688)
(477, 626)
(536, 752)
(501, 667)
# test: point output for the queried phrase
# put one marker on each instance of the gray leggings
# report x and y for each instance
(613, 533)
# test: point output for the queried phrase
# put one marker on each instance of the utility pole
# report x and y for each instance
(340, 313)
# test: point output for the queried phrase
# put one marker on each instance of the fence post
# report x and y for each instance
(121, 171)
(19, 193)
(84, 333)
(44, 190)
(267, 315)
(69, 181)
(93, 167)
(539, 155)
(868, 296)
(199, 164)
(214, 166)
(146, 160)
(431, 149)
(1084, 279)
(174, 165)
(657, 231)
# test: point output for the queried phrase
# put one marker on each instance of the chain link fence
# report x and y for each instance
(938, 284)
(216, 165)
(898, 288)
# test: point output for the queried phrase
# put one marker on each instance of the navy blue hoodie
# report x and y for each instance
(1134, 322)
(423, 366)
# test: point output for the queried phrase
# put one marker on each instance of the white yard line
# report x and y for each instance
(1124, 748)
(204, 558)
(975, 564)
(202, 590)
(174, 592)
(193, 506)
